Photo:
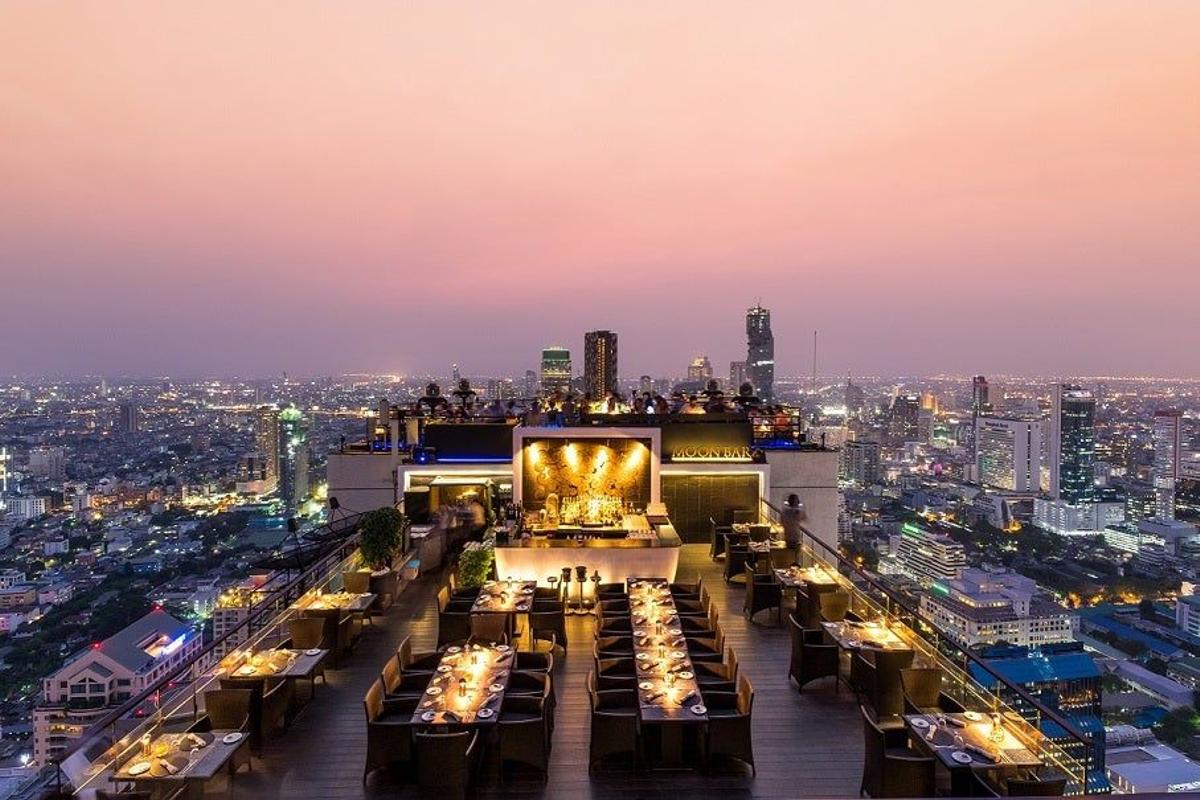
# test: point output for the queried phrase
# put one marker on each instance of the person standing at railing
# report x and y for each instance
(792, 517)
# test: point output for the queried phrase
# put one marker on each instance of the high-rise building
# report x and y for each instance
(760, 352)
(529, 386)
(266, 441)
(854, 397)
(927, 557)
(981, 607)
(293, 457)
(903, 419)
(860, 462)
(1168, 445)
(700, 370)
(556, 370)
(1009, 453)
(48, 462)
(128, 417)
(981, 402)
(1072, 445)
(599, 363)
(738, 375)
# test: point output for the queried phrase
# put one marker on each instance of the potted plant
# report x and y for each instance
(380, 540)
(475, 563)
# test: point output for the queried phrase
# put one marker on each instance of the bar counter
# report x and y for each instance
(617, 554)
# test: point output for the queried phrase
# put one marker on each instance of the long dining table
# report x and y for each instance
(174, 760)
(668, 693)
(972, 742)
(467, 687)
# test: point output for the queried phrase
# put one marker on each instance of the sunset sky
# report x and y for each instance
(324, 187)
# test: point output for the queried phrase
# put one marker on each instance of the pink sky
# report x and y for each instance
(329, 186)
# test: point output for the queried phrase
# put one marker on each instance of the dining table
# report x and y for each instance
(504, 597)
(276, 663)
(973, 742)
(851, 635)
(353, 602)
(668, 691)
(179, 759)
(467, 686)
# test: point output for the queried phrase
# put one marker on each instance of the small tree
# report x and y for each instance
(381, 538)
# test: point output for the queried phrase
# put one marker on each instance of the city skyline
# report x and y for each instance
(934, 189)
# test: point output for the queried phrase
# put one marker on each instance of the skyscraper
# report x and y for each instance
(700, 369)
(599, 363)
(556, 370)
(760, 352)
(128, 418)
(1009, 453)
(980, 396)
(267, 442)
(1168, 444)
(903, 419)
(1072, 447)
(737, 375)
(293, 457)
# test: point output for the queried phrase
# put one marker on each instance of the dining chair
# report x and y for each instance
(534, 662)
(728, 732)
(888, 690)
(922, 688)
(834, 605)
(712, 649)
(862, 680)
(718, 676)
(610, 590)
(763, 593)
(548, 626)
(716, 539)
(890, 767)
(454, 627)
(735, 562)
(614, 726)
(759, 532)
(356, 581)
(613, 647)
(389, 731)
(276, 701)
(398, 684)
(489, 628)
(524, 735)
(446, 762)
(744, 516)
(818, 658)
(411, 662)
(307, 633)
(229, 710)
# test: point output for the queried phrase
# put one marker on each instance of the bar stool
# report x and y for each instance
(566, 586)
(581, 577)
(553, 581)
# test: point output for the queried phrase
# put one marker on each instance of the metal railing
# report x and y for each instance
(1071, 753)
(175, 700)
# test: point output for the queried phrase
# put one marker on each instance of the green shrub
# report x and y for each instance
(475, 563)
(382, 535)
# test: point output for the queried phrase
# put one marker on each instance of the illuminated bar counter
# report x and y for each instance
(642, 546)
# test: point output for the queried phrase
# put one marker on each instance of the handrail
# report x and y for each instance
(917, 616)
(256, 611)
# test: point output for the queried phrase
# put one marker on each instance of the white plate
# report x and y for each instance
(502, 648)
(433, 691)
(642, 656)
(678, 654)
(444, 668)
(974, 716)
(646, 686)
(140, 768)
(484, 713)
(686, 676)
(429, 716)
(920, 722)
(676, 631)
(232, 738)
(455, 649)
(961, 757)
(315, 651)
(496, 687)
(699, 709)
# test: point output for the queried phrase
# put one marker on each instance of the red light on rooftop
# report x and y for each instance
(95, 645)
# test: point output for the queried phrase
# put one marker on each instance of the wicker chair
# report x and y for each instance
(614, 725)
(398, 684)
(307, 633)
(685, 591)
(356, 581)
(614, 607)
(862, 679)
(812, 656)
(834, 605)
(716, 539)
(736, 557)
(534, 662)
(922, 688)
(389, 731)
(620, 625)
(454, 627)
(890, 768)
(525, 733)
(611, 590)
(275, 704)
(348, 629)
(728, 732)
(229, 710)
(712, 649)
(718, 676)
(615, 673)
(763, 593)
(548, 626)
(888, 695)
(613, 647)
(411, 662)
(446, 762)
(489, 628)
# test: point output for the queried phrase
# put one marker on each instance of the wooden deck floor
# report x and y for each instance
(806, 745)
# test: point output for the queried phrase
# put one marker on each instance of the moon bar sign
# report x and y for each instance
(710, 452)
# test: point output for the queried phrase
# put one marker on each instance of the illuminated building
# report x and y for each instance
(1072, 445)
(128, 417)
(980, 396)
(928, 557)
(105, 675)
(1167, 458)
(904, 419)
(700, 370)
(293, 457)
(48, 462)
(760, 352)
(737, 375)
(599, 363)
(266, 443)
(860, 462)
(1009, 453)
(556, 370)
(981, 607)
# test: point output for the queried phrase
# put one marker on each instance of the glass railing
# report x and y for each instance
(175, 701)
(1070, 752)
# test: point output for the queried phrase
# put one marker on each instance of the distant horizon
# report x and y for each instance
(323, 189)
